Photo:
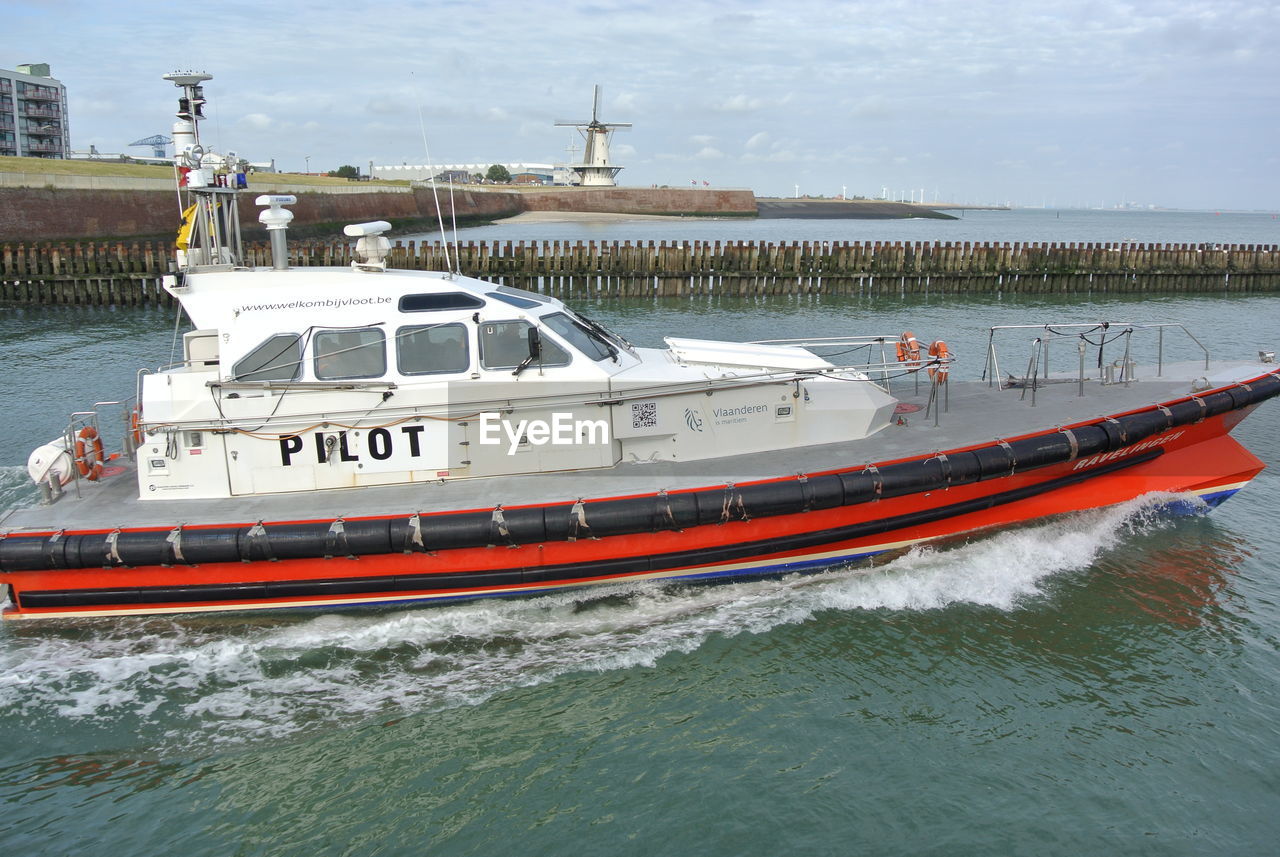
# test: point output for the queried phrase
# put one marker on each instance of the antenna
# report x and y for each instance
(457, 245)
(435, 193)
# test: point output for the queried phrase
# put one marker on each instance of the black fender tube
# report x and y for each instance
(772, 498)
(28, 552)
(824, 492)
(995, 461)
(1240, 397)
(210, 545)
(621, 517)
(1041, 451)
(525, 526)
(861, 486)
(1187, 412)
(457, 530)
(1090, 439)
(1143, 425)
(1219, 403)
(1265, 388)
(912, 477)
(676, 511)
(965, 468)
(1114, 430)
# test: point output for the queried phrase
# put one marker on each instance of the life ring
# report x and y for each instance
(909, 351)
(89, 455)
(135, 427)
(938, 365)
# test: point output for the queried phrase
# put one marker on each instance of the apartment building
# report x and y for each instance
(33, 113)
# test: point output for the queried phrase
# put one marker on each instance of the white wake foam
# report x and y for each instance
(222, 678)
(16, 488)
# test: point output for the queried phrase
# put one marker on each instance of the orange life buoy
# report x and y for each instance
(89, 455)
(938, 366)
(135, 427)
(909, 351)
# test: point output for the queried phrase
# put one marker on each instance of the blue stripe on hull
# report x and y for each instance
(1199, 505)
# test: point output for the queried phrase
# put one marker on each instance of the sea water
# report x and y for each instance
(1103, 682)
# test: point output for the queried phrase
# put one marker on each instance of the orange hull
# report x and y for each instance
(1199, 459)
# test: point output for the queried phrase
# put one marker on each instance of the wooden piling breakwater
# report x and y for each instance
(128, 274)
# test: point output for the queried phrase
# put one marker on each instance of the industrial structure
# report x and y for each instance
(33, 113)
(156, 142)
(464, 173)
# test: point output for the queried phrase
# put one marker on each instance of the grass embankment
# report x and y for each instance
(53, 166)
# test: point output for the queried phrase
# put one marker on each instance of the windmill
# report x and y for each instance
(157, 142)
(595, 169)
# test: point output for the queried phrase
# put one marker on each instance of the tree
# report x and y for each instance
(346, 171)
(498, 173)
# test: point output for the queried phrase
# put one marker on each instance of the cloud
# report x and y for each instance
(756, 141)
(775, 156)
(384, 107)
(872, 107)
(626, 102)
(709, 153)
(256, 121)
(740, 104)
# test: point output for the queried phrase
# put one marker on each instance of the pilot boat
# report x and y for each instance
(360, 436)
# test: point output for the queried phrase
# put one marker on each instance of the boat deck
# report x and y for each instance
(977, 413)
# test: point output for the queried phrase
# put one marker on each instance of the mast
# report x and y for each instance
(210, 233)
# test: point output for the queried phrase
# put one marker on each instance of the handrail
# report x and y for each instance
(991, 369)
(837, 341)
(79, 420)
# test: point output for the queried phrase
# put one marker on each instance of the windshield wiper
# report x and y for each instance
(598, 333)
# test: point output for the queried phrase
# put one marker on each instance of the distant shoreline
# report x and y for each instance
(589, 217)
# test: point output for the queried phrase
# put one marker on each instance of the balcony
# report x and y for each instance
(51, 111)
(32, 94)
(50, 130)
(41, 146)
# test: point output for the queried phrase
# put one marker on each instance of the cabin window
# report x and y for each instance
(342, 355)
(579, 336)
(514, 300)
(432, 349)
(505, 345)
(433, 302)
(279, 358)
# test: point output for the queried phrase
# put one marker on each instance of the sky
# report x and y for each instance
(1070, 104)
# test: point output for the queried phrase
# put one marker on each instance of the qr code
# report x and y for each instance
(644, 414)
